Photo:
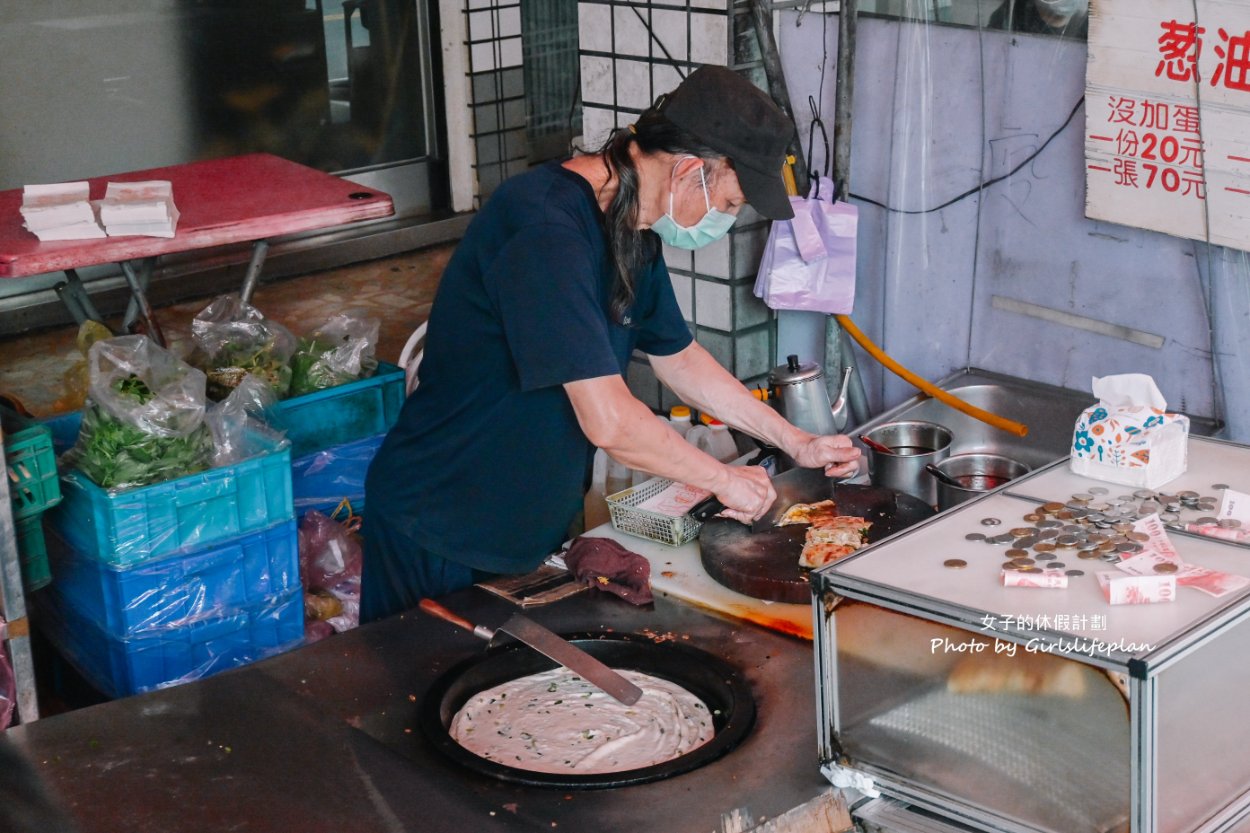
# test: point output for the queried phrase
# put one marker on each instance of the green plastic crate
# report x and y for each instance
(31, 463)
(32, 552)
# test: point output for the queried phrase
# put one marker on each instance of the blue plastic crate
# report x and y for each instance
(127, 528)
(344, 413)
(119, 667)
(181, 589)
(324, 478)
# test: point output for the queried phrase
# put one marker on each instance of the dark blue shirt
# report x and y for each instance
(487, 464)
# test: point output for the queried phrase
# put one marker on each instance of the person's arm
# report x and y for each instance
(615, 421)
(699, 380)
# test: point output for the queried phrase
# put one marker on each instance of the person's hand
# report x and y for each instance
(747, 493)
(832, 452)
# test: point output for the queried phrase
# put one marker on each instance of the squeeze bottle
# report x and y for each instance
(679, 417)
(594, 508)
(721, 443)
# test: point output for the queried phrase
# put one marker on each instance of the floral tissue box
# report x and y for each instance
(1135, 445)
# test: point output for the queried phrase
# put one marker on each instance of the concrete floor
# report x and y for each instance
(47, 374)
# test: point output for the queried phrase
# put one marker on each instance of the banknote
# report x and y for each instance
(1050, 579)
(1122, 589)
(1240, 535)
(1235, 506)
(1212, 582)
(1158, 540)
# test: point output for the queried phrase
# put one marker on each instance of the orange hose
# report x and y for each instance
(1017, 428)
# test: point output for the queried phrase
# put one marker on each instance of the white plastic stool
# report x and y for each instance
(410, 357)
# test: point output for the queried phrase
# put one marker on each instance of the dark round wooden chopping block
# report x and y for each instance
(765, 564)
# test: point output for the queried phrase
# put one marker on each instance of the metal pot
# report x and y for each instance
(913, 445)
(977, 474)
(720, 686)
(798, 392)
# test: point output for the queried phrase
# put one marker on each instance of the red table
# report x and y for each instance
(240, 199)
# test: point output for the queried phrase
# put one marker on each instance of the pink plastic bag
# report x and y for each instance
(809, 261)
(330, 561)
(8, 685)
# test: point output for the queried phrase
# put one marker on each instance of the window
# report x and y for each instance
(1060, 18)
(93, 87)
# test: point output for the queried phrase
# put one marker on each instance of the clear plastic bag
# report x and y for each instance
(234, 339)
(245, 423)
(143, 421)
(331, 559)
(339, 351)
(809, 261)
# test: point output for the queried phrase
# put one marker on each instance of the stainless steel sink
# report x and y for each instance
(1049, 411)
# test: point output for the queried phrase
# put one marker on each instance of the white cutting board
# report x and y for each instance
(678, 573)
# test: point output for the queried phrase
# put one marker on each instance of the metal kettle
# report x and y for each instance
(797, 390)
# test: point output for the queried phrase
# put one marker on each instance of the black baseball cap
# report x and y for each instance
(731, 115)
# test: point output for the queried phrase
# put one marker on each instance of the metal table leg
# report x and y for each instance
(259, 249)
(75, 298)
(70, 300)
(145, 269)
(153, 329)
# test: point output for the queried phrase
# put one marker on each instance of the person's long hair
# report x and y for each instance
(632, 248)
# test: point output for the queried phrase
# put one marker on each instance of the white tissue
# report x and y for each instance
(1128, 389)
(844, 778)
(1129, 437)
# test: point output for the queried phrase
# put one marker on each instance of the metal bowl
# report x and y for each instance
(913, 445)
(720, 686)
(976, 474)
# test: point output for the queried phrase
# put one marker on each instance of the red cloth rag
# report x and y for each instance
(604, 564)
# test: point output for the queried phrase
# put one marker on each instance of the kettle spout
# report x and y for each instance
(841, 406)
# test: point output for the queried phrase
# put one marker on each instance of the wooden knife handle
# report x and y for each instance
(435, 609)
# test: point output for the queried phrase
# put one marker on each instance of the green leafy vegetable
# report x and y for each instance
(232, 363)
(315, 367)
(116, 454)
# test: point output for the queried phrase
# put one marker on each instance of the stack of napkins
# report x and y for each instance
(59, 211)
(145, 208)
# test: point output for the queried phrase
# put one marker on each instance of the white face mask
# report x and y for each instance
(711, 227)
(1063, 8)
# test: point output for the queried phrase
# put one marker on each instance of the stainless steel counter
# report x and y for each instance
(288, 745)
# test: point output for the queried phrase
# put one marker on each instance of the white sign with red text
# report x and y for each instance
(1167, 117)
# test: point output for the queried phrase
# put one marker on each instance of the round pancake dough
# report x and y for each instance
(555, 721)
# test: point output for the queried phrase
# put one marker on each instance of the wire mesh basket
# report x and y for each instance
(627, 517)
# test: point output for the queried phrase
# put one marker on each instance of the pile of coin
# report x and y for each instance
(1090, 526)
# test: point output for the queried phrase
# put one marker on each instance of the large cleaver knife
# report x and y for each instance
(794, 486)
(709, 507)
(550, 644)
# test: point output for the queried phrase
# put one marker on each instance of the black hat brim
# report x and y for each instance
(765, 192)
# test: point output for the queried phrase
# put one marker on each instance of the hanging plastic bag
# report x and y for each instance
(339, 351)
(234, 339)
(143, 421)
(809, 261)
